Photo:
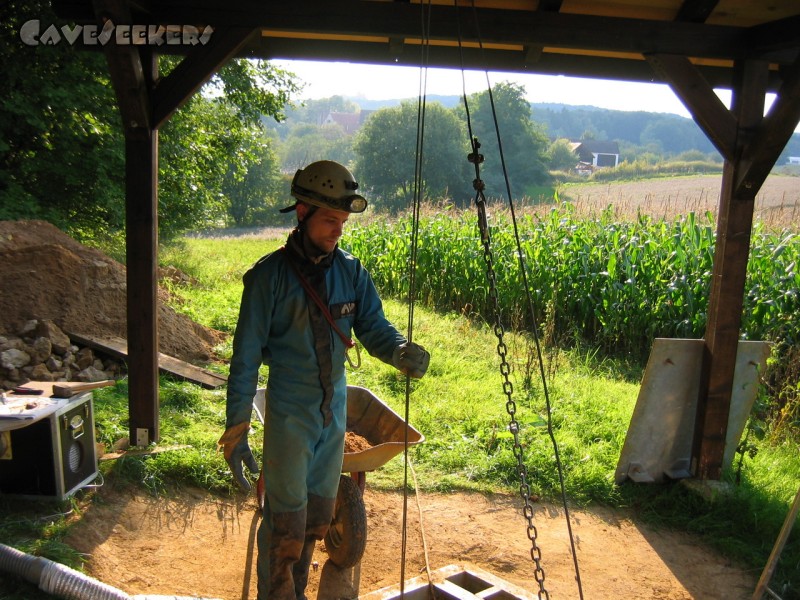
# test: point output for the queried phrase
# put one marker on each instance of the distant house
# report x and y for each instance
(794, 160)
(594, 154)
(350, 122)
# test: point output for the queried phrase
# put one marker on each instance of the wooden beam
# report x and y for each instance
(783, 34)
(196, 69)
(118, 348)
(550, 5)
(465, 23)
(696, 11)
(533, 52)
(514, 61)
(133, 70)
(550, 29)
(125, 68)
(773, 133)
(528, 30)
(726, 299)
(698, 96)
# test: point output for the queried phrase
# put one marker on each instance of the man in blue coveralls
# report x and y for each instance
(299, 307)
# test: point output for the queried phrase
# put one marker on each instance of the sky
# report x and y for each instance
(371, 82)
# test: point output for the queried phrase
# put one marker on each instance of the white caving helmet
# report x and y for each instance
(327, 184)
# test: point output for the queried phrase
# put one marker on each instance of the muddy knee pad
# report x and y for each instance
(319, 514)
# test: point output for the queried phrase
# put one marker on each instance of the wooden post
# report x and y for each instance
(141, 175)
(734, 225)
(750, 144)
(134, 71)
(141, 231)
(144, 106)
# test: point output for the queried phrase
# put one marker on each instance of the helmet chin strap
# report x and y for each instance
(310, 209)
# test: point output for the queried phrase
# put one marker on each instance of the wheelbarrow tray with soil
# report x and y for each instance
(387, 434)
(384, 429)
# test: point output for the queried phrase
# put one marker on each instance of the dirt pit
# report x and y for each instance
(202, 546)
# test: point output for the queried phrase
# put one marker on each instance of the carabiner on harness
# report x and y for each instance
(357, 364)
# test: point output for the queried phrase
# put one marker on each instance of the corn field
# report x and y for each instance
(612, 284)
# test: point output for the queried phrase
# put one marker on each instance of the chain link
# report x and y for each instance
(508, 388)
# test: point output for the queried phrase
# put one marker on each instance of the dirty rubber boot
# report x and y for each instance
(319, 515)
(285, 547)
(300, 569)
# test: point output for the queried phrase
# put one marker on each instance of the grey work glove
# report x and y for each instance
(238, 454)
(242, 456)
(411, 359)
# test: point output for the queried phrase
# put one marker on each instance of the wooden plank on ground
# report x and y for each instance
(118, 348)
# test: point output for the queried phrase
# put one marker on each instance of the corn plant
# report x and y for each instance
(613, 284)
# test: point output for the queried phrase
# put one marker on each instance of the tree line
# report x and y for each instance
(222, 157)
(226, 158)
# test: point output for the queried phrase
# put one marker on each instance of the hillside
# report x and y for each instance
(668, 132)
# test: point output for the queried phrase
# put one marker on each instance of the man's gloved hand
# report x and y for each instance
(238, 454)
(411, 359)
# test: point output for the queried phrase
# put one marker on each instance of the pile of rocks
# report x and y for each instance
(41, 351)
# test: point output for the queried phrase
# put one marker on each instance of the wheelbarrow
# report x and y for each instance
(385, 430)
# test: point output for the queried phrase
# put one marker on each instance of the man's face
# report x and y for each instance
(324, 227)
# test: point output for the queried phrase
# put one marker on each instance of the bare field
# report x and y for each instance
(777, 202)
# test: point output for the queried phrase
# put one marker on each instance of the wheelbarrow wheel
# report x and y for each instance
(347, 536)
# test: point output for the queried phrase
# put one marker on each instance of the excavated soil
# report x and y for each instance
(46, 274)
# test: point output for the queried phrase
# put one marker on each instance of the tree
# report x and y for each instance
(313, 112)
(215, 144)
(386, 150)
(252, 190)
(193, 161)
(524, 144)
(673, 135)
(211, 142)
(561, 155)
(307, 143)
(691, 156)
(61, 155)
(61, 143)
(256, 88)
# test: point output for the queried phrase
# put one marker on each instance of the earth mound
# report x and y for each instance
(48, 275)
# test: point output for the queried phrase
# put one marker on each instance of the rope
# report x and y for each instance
(476, 158)
(412, 264)
(431, 587)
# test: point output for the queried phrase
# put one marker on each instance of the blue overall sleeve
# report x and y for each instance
(372, 328)
(249, 344)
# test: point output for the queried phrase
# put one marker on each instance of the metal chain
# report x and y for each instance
(505, 370)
